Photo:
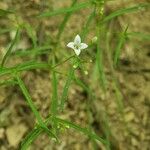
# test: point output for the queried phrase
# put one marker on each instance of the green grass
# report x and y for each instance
(6, 12)
(11, 47)
(33, 107)
(120, 44)
(61, 11)
(123, 11)
(64, 95)
(49, 125)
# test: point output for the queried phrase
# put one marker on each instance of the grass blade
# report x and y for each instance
(66, 88)
(89, 20)
(33, 107)
(54, 103)
(107, 130)
(80, 129)
(65, 10)
(125, 11)
(34, 51)
(11, 47)
(3, 31)
(63, 24)
(29, 100)
(115, 84)
(8, 82)
(5, 12)
(99, 63)
(139, 35)
(31, 65)
(24, 67)
(30, 138)
(121, 42)
(31, 33)
(33, 135)
(37, 131)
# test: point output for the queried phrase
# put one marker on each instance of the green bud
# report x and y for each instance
(94, 40)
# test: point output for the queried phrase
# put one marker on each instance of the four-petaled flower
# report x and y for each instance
(77, 46)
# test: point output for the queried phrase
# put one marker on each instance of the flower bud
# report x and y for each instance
(94, 40)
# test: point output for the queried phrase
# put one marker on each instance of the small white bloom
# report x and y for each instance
(77, 46)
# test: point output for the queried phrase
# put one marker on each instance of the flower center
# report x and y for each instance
(77, 46)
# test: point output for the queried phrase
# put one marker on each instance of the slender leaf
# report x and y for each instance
(31, 33)
(24, 67)
(119, 46)
(33, 51)
(65, 20)
(80, 129)
(33, 107)
(54, 103)
(11, 47)
(33, 135)
(31, 65)
(8, 82)
(120, 12)
(6, 30)
(66, 88)
(5, 12)
(139, 35)
(99, 62)
(89, 20)
(30, 138)
(65, 10)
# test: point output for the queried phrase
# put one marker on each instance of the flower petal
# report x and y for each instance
(83, 46)
(77, 51)
(70, 45)
(77, 40)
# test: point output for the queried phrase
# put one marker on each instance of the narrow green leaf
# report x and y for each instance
(30, 138)
(37, 131)
(34, 51)
(65, 20)
(66, 88)
(24, 67)
(54, 103)
(29, 100)
(33, 107)
(31, 65)
(66, 10)
(119, 99)
(120, 12)
(99, 62)
(3, 31)
(31, 33)
(11, 47)
(89, 20)
(80, 129)
(33, 135)
(107, 130)
(139, 35)
(119, 46)
(5, 12)
(8, 82)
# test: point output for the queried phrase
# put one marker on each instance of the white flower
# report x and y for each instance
(77, 46)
